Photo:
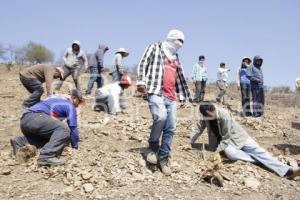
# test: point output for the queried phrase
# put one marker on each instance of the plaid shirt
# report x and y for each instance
(151, 71)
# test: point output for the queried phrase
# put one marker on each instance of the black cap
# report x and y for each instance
(222, 64)
(77, 94)
(201, 58)
(246, 58)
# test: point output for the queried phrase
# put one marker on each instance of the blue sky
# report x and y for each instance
(224, 31)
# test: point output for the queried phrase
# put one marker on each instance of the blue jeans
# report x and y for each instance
(245, 92)
(95, 77)
(252, 152)
(34, 86)
(258, 96)
(116, 76)
(163, 112)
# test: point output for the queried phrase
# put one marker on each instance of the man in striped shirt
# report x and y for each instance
(160, 75)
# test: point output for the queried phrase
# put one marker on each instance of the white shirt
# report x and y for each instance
(222, 74)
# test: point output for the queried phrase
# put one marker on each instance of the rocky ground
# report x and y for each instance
(109, 163)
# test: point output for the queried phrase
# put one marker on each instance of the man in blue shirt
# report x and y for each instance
(42, 127)
(243, 83)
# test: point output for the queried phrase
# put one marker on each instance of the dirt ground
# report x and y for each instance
(109, 163)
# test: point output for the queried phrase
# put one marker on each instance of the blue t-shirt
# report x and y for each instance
(243, 76)
(61, 108)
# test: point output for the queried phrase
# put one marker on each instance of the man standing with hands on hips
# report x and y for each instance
(160, 75)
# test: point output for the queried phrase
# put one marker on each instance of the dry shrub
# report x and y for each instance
(212, 172)
(25, 153)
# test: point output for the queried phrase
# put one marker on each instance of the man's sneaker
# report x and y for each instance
(50, 162)
(151, 157)
(164, 167)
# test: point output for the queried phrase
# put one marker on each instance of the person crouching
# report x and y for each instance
(109, 98)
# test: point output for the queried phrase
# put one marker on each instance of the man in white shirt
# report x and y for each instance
(222, 83)
(108, 97)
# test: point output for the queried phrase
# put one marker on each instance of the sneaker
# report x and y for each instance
(50, 161)
(14, 146)
(151, 157)
(164, 167)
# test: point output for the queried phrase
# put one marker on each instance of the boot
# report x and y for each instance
(164, 167)
(18, 142)
(50, 162)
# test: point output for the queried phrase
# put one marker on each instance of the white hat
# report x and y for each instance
(175, 35)
(122, 50)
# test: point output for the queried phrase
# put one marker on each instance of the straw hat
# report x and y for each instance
(123, 51)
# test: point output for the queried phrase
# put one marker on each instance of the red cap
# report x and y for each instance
(126, 80)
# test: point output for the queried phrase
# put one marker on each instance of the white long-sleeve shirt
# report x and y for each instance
(115, 90)
(74, 60)
(222, 74)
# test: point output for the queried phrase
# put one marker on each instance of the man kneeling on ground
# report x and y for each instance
(42, 127)
(226, 135)
(110, 97)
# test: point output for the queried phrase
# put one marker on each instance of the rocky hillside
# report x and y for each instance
(109, 163)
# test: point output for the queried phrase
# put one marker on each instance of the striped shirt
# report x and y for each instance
(151, 71)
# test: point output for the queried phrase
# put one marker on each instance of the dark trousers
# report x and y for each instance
(95, 76)
(34, 86)
(44, 132)
(245, 92)
(75, 72)
(200, 91)
(258, 98)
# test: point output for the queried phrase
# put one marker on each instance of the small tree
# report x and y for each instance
(37, 53)
(20, 55)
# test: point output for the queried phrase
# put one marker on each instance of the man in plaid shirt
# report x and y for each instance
(160, 75)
